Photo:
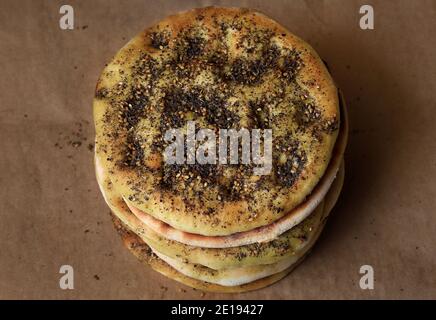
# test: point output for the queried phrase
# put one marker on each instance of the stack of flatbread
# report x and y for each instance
(219, 226)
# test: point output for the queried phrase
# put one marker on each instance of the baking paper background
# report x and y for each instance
(52, 213)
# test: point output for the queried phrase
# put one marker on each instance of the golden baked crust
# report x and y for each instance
(223, 68)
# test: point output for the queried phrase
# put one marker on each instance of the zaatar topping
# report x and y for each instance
(159, 40)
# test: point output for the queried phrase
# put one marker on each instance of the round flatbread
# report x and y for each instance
(143, 252)
(219, 68)
(171, 268)
(242, 275)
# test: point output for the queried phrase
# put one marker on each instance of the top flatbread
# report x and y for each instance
(222, 68)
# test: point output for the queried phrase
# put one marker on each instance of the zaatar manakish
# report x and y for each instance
(219, 227)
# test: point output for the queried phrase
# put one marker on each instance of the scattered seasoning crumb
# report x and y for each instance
(90, 147)
(76, 144)
(87, 230)
(96, 277)
(25, 115)
(85, 27)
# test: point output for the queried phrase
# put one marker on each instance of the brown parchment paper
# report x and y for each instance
(52, 213)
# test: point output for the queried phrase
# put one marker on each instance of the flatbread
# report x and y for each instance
(222, 68)
(242, 275)
(143, 252)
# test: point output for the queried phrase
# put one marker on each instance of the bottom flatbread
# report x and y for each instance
(237, 276)
(143, 252)
(235, 281)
